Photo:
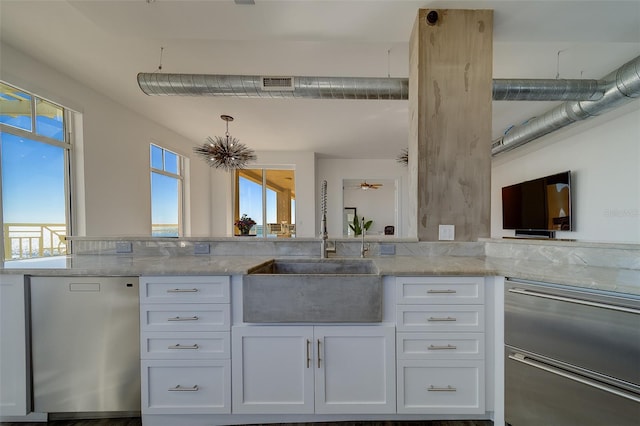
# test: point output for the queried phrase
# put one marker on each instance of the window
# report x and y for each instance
(268, 197)
(35, 165)
(166, 192)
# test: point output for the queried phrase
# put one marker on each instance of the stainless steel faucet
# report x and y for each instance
(364, 248)
(325, 248)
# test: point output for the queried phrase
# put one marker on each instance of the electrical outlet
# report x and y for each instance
(201, 248)
(446, 232)
(387, 249)
(124, 247)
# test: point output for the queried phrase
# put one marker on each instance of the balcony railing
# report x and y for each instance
(27, 240)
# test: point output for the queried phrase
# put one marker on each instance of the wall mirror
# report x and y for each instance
(376, 200)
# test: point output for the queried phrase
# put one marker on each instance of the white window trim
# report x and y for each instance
(183, 229)
(67, 145)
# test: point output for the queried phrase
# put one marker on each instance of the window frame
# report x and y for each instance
(66, 145)
(180, 177)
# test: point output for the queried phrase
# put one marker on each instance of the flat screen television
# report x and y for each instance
(538, 207)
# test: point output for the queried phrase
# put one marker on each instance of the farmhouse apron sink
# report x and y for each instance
(313, 290)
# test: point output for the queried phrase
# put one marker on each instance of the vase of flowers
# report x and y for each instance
(244, 224)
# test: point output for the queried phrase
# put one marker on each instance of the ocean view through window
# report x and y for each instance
(35, 175)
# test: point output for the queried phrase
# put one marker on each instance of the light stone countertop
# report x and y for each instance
(599, 278)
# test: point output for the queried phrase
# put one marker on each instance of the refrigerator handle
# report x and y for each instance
(531, 362)
(572, 300)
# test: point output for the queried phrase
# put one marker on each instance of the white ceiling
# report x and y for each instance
(105, 43)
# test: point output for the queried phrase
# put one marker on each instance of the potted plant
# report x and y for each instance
(356, 226)
(244, 224)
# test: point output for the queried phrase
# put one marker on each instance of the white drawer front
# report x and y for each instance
(440, 290)
(440, 318)
(185, 345)
(196, 387)
(440, 345)
(185, 317)
(442, 387)
(184, 289)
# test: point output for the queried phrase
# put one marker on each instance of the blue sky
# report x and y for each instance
(251, 201)
(164, 189)
(32, 181)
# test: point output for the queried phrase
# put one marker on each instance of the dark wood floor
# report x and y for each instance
(137, 422)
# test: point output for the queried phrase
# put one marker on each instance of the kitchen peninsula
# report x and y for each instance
(468, 276)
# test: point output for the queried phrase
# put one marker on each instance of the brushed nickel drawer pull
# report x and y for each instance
(193, 318)
(183, 290)
(449, 388)
(179, 388)
(435, 348)
(441, 291)
(435, 319)
(179, 346)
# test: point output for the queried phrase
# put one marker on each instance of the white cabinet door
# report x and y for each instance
(13, 357)
(355, 373)
(272, 369)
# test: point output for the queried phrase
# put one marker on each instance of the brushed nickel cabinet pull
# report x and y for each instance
(435, 348)
(435, 319)
(441, 291)
(318, 353)
(179, 388)
(308, 353)
(449, 388)
(182, 290)
(193, 318)
(179, 346)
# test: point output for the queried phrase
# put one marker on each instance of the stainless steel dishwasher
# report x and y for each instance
(85, 345)
(572, 356)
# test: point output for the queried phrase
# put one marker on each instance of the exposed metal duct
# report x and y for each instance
(247, 86)
(584, 98)
(620, 87)
(546, 90)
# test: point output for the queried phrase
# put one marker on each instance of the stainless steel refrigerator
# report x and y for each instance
(572, 356)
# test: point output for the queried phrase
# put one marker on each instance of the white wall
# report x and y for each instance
(334, 171)
(604, 158)
(115, 152)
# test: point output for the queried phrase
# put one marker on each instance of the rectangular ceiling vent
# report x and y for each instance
(277, 84)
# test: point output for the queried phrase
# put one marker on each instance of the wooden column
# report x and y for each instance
(450, 90)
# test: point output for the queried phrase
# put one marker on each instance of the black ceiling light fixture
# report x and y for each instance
(225, 152)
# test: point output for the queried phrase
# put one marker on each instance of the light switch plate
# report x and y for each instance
(201, 248)
(124, 247)
(446, 232)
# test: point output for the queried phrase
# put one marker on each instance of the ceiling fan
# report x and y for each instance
(366, 186)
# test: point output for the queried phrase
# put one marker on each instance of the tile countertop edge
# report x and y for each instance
(600, 278)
